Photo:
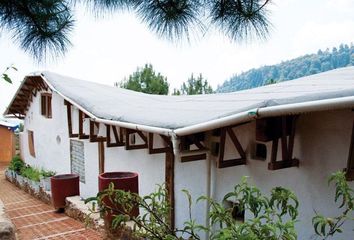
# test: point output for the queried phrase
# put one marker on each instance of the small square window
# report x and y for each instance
(46, 105)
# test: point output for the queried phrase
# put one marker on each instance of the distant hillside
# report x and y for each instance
(295, 68)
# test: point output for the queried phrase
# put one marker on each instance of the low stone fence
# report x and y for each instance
(39, 190)
(7, 229)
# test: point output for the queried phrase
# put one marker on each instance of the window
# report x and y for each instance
(46, 105)
(77, 157)
(31, 143)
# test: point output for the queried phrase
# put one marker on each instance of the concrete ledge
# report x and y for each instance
(7, 229)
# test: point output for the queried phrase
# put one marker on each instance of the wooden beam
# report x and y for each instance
(68, 114)
(236, 143)
(284, 144)
(170, 184)
(101, 157)
(117, 142)
(195, 157)
(286, 147)
(129, 146)
(93, 137)
(153, 150)
(222, 163)
(82, 135)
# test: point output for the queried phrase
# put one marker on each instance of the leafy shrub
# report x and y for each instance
(46, 174)
(31, 173)
(16, 164)
(326, 227)
(273, 218)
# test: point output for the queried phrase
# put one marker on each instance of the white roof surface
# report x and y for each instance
(173, 112)
(7, 124)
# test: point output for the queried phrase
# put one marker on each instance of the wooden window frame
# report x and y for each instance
(46, 105)
(31, 143)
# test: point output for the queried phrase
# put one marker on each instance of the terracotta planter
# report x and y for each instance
(127, 181)
(62, 186)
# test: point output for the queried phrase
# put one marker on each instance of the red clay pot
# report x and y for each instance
(62, 186)
(127, 181)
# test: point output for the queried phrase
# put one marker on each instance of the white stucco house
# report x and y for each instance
(294, 134)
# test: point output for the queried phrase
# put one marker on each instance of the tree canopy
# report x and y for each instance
(194, 85)
(43, 26)
(299, 67)
(146, 80)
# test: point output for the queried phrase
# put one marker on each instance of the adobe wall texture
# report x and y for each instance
(321, 144)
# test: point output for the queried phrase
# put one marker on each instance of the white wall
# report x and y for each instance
(50, 153)
(55, 156)
(322, 146)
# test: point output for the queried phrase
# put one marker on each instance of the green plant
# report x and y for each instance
(47, 174)
(326, 227)
(273, 218)
(16, 164)
(31, 173)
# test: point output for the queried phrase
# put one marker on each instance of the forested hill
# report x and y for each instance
(295, 68)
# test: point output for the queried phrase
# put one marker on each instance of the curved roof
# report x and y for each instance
(175, 112)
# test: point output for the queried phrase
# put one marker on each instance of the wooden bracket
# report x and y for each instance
(119, 141)
(93, 136)
(153, 150)
(222, 163)
(193, 155)
(129, 146)
(82, 135)
(287, 147)
(68, 113)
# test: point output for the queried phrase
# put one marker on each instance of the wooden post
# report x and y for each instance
(101, 157)
(170, 183)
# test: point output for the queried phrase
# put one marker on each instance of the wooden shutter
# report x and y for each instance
(43, 105)
(31, 143)
(46, 105)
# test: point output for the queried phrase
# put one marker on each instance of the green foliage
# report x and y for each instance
(5, 75)
(38, 26)
(326, 227)
(194, 86)
(273, 218)
(147, 81)
(31, 173)
(292, 69)
(16, 164)
(27, 171)
(44, 26)
(47, 174)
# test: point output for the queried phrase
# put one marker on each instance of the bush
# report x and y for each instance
(47, 174)
(274, 217)
(16, 164)
(31, 173)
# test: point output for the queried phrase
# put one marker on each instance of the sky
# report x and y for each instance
(107, 50)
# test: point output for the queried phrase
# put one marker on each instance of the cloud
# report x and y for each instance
(314, 36)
